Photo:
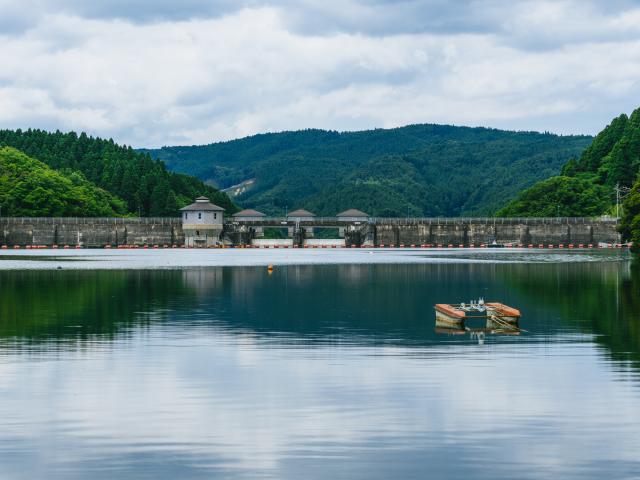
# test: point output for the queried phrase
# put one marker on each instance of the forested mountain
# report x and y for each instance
(30, 188)
(430, 170)
(144, 184)
(586, 186)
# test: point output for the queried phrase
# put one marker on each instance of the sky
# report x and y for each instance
(149, 73)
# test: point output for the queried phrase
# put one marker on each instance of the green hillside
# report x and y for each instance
(30, 188)
(145, 185)
(586, 186)
(430, 170)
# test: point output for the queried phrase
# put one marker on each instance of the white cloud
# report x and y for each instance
(149, 74)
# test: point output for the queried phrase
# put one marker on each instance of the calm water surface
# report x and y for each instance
(319, 371)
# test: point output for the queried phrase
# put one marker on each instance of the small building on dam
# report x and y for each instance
(202, 223)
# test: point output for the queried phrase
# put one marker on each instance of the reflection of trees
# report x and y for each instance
(390, 304)
(52, 305)
(602, 298)
(623, 331)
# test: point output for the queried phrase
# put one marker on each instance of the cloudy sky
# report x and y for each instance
(165, 72)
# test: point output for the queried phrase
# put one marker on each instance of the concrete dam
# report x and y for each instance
(373, 232)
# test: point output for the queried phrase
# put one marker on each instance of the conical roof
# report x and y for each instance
(202, 204)
(352, 212)
(249, 213)
(301, 212)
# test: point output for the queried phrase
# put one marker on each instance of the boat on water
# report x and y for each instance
(495, 244)
(496, 316)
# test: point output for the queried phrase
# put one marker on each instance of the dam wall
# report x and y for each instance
(91, 232)
(530, 231)
(100, 232)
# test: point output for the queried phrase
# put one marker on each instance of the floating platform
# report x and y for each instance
(495, 315)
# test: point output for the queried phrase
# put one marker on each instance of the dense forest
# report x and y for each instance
(586, 186)
(30, 188)
(144, 185)
(425, 170)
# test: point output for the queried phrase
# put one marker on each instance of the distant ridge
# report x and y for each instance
(430, 170)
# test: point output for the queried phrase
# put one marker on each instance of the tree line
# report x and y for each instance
(144, 185)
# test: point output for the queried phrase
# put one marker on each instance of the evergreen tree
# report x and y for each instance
(30, 188)
(134, 177)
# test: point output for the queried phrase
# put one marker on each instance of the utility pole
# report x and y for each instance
(621, 193)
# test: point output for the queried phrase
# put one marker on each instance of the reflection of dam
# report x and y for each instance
(203, 281)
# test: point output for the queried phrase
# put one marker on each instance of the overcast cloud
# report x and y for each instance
(161, 72)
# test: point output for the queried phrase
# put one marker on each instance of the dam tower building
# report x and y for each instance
(202, 223)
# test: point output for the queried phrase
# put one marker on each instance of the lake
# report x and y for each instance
(150, 365)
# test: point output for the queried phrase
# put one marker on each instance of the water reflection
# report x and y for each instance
(316, 372)
(360, 304)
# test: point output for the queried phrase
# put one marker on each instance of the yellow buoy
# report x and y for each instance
(270, 268)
